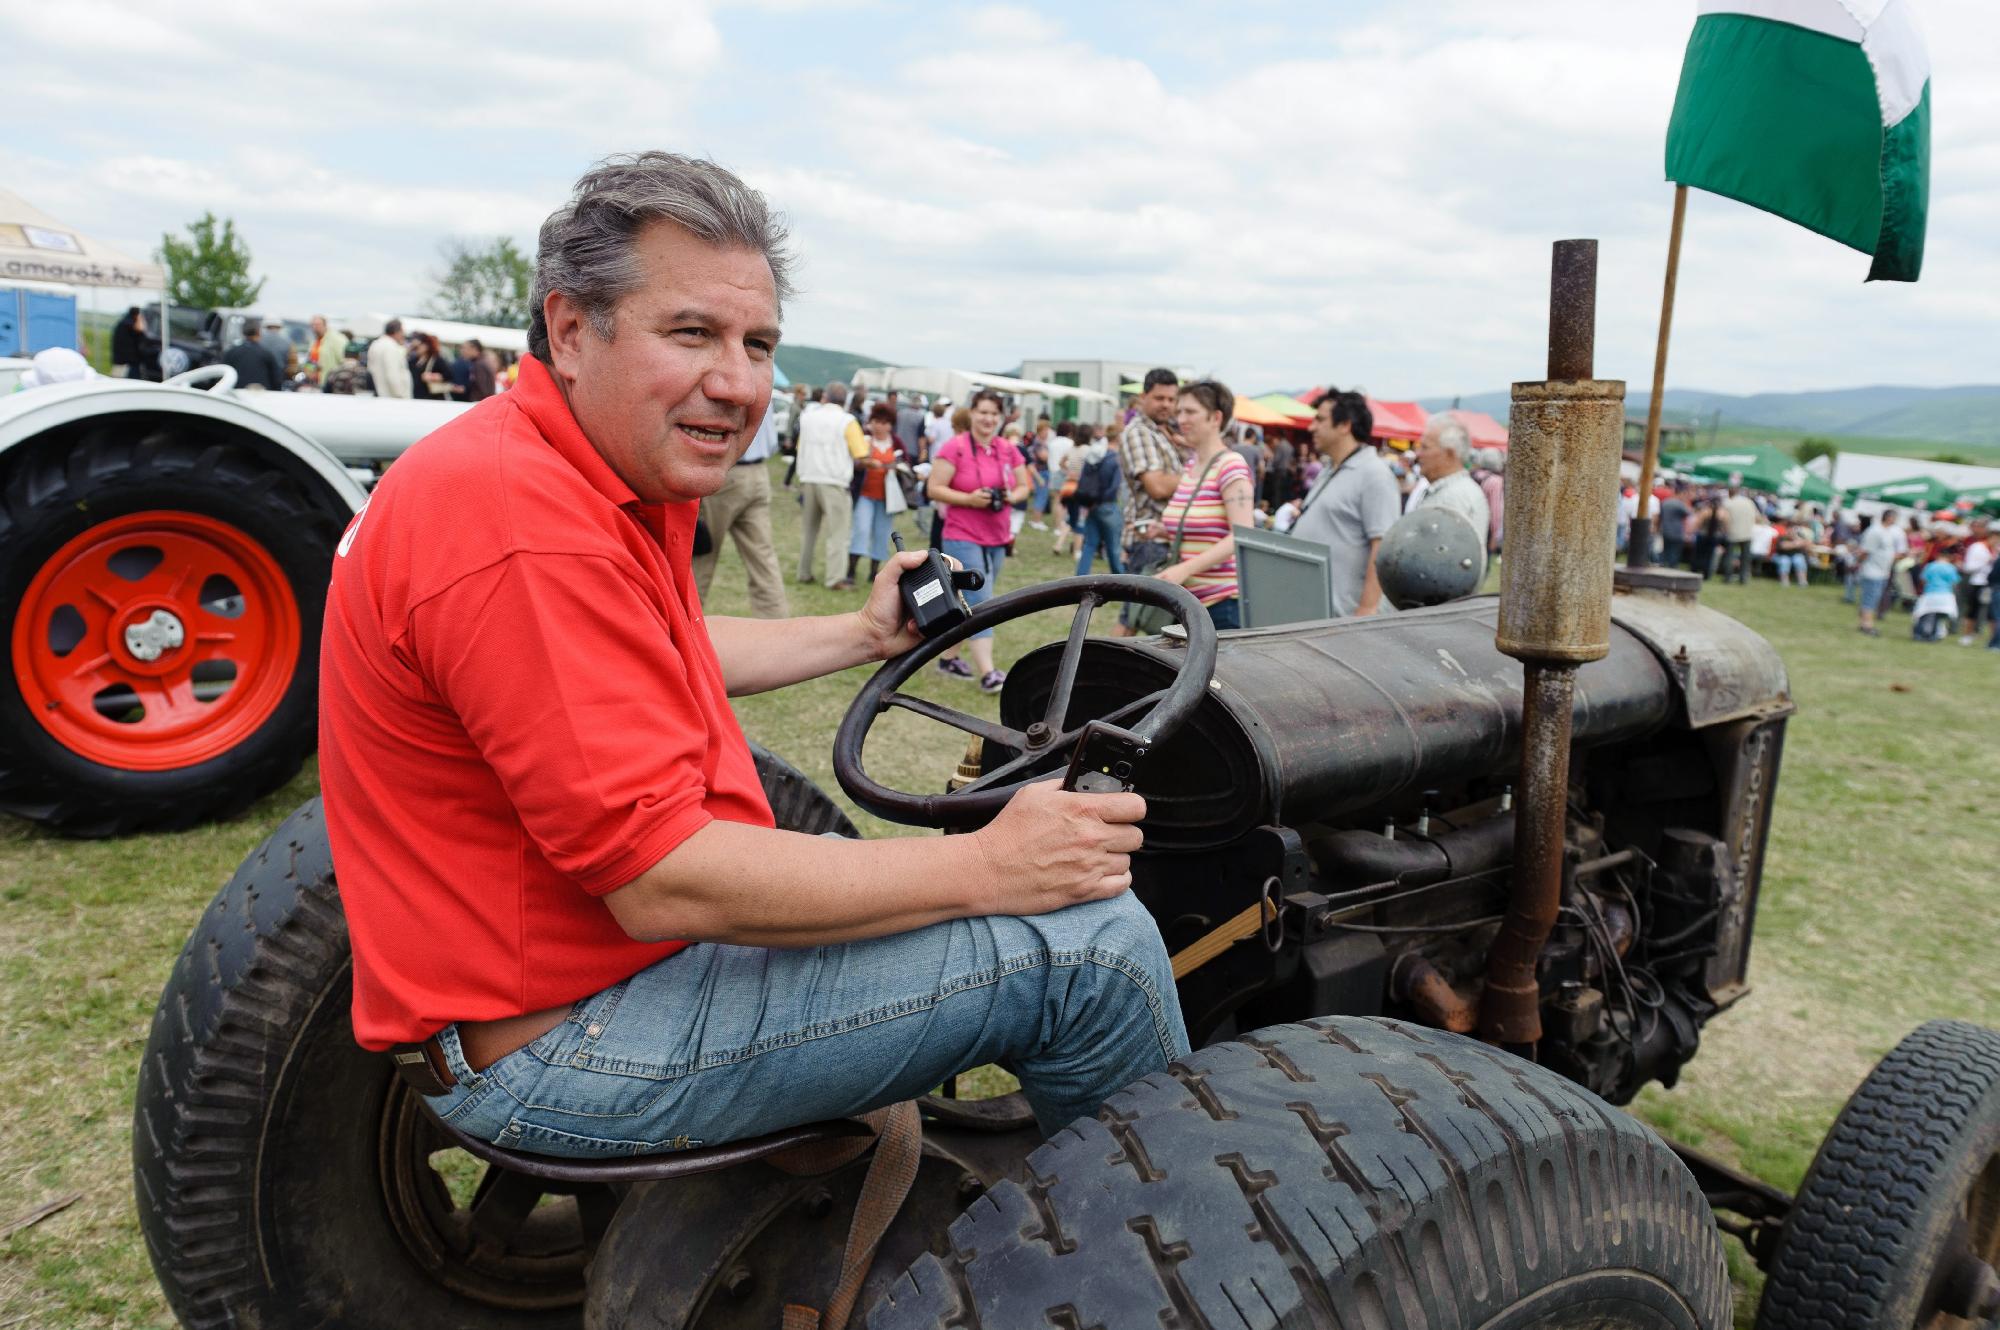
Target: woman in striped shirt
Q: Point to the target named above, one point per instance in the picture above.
(1213, 498)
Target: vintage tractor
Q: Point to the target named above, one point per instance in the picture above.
(1369, 840)
(164, 554)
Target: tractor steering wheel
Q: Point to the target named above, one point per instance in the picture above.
(1046, 744)
(216, 378)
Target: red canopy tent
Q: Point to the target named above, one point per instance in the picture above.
(1398, 420)
(1486, 432)
(1393, 420)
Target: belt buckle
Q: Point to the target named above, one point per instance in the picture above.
(413, 1064)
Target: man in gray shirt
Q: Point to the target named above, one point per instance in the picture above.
(1352, 505)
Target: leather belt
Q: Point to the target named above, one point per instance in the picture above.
(423, 1067)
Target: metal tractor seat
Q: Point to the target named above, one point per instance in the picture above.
(653, 1167)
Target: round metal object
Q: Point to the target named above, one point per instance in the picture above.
(156, 640)
(1431, 555)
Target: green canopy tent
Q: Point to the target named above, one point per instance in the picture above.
(1910, 492)
(1287, 406)
(1982, 498)
(1761, 467)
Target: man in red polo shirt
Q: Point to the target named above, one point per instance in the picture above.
(571, 914)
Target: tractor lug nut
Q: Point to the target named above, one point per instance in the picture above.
(736, 1283)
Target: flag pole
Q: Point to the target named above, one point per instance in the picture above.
(1639, 550)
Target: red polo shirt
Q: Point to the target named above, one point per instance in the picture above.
(520, 710)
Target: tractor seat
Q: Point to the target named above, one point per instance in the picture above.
(648, 1168)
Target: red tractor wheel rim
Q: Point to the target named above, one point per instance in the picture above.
(156, 641)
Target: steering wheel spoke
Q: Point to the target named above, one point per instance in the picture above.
(989, 730)
(1072, 656)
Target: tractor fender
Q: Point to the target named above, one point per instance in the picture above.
(70, 408)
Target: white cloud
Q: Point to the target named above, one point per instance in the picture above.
(1371, 203)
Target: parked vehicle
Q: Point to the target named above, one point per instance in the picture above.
(164, 553)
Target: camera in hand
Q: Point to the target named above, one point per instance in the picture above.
(930, 590)
(996, 496)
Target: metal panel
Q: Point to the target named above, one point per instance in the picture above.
(1282, 579)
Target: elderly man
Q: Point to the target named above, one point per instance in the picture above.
(572, 918)
(1443, 452)
(388, 364)
(1739, 523)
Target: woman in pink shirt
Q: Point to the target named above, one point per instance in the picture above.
(977, 478)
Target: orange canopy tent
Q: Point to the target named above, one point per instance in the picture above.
(1253, 412)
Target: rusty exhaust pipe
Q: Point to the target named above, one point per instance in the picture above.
(1565, 437)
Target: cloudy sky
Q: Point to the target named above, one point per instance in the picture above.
(1283, 193)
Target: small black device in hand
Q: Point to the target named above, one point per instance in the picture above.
(930, 590)
(996, 497)
(1106, 759)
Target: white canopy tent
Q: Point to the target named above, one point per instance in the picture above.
(35, 247)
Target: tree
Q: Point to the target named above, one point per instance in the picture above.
(484, 284)
(210, 268)
(1807, 449)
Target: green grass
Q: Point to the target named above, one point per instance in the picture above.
(1875, 916)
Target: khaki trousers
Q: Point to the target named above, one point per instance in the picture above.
(828, 504)
(742, 509)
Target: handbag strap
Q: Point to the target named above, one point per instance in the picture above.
(1180, 529)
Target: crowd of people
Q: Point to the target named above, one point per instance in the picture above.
(1156, 491)
(1936, 566)
(331, 359)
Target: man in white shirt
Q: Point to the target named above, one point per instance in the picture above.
(1442, 452)
(1881, 545)
(937, 425)
(830, 443)
(388, 362)
(1975, 590)
(741, 510)
(1739, 524)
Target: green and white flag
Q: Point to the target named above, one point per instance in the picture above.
(1817, 110)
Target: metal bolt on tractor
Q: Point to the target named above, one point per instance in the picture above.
(1540, 820)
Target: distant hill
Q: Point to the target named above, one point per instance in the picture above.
(1964, 415)
(815, 365)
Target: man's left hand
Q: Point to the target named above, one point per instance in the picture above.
(883, 626)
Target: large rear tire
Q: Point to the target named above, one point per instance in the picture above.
(286, 1179)
(1341, 1173)
(161, 599)
(1897, 1224)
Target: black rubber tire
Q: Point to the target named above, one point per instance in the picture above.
(256, 1127)
(52, 494)
(1345, 1172)
(1862, 1241)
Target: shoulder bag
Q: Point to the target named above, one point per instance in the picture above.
(1149, 619)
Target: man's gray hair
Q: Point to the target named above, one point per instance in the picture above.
(585, 250)
(1449, 432)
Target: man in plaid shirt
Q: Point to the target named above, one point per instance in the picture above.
(1152, 458)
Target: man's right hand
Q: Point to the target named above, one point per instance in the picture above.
(1052, 848)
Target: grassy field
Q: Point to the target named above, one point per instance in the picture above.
(1876, 915)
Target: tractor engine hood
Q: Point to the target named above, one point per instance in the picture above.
(1315, 721)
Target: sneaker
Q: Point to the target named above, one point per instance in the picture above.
(954, 667)
(1038, 526)
(992, 681)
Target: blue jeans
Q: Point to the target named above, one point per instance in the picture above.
(720, 1043)
(1103, 525)
(1226, 613)
(979, 559)
(1871, 592)
(871, 529)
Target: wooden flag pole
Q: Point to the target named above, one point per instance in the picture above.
(1639, 552)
